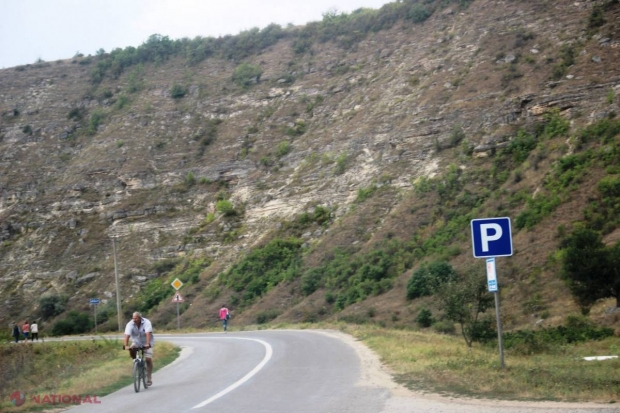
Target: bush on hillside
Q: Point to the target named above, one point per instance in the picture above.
(264, 268)
(428, 278)
(178, 91)
(51, 304)
(246, 74)
(576, 329)
(75, 323)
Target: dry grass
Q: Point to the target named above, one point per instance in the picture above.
(85, 368)
(443, 364)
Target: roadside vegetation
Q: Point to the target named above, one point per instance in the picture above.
(438, 363)
(546, 364)
(86, 368)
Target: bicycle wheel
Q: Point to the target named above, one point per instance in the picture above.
(144, 374)
(137, 369)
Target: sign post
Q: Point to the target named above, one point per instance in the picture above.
(95, 302)
(177, 284)
(492, 283)
(492, 237)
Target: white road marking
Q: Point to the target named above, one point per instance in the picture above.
(268, 354)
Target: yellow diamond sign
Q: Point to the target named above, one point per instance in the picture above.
(176, 284)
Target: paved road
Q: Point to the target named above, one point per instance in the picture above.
(285, 372)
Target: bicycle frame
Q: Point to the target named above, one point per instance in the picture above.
(139, 370)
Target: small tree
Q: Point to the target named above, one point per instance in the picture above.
(464, 299)
(246, 74)
(178, 91)
(51, 305)
(591, 269)
(428, 278)
(75, 323)
(190, 179)
(425, 318)
(96, 119)
(225, 207)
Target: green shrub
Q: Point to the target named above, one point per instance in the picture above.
(158, 289)
(283, 148)
(209, 218)
(320, 215)
(134, 82)
(604, 130)
(428, 278)
(596, 18)
(351, 278)
(444, 327)
(263, 317)
(264, 268)
(76, 114)
(75, 323)
(418, 13)
(96, 119)
(246, 74)
(589, 267)
(555, 124)
(121, 102)
(178, 91)
(164, 266)
(521, 146)
(577, 329)
(456, 136)
(425, 318)
(311, 281)
(609, 99)
(365, 193)
(298, 129)
(51, 305)
(341, 164)
(225, 207)
(567, 56)
(190, 179)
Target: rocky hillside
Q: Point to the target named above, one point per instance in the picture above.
(364, 139)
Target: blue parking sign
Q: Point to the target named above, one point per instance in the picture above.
(491, 237)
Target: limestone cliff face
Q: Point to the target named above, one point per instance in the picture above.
(313, 130)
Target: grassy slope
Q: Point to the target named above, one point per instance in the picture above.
(67, 368)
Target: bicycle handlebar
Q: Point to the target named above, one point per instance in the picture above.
(136, 348)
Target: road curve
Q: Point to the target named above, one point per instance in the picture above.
(288, 371)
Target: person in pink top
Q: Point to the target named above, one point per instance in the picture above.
(26, 330)
(224, 316)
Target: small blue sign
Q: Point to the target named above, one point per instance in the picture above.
(491, 237)
(491, 275)
(94, 301)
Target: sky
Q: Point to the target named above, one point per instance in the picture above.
(58, 29)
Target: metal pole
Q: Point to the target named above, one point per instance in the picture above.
(499, 330)
(178, 317)
(118, 290)
(95, 305)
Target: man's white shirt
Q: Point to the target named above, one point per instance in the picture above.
(138, 334)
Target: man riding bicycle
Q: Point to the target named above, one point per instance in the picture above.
(141, 332)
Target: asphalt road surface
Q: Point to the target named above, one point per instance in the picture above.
(289, 371)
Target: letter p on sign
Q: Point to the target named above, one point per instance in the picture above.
(491, 237)
(485, 234)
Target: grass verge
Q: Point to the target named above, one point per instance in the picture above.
(437, 363)
(70, 368)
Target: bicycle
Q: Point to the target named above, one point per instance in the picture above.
(139, 368)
